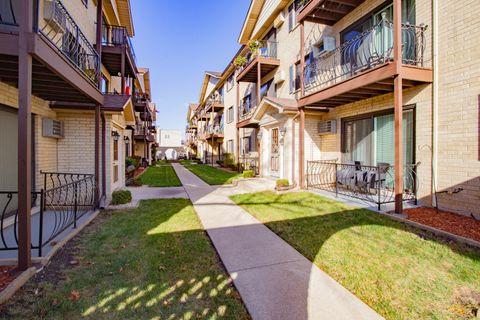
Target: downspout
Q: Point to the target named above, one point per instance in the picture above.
(435, 103)
(98, 107)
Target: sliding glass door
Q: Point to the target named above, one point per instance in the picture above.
(370, 140)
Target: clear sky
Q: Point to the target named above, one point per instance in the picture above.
(179, 41)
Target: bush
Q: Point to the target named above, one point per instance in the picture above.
(248, 174)
(121, 197)
(227, 160)
(220, 163)
(132, 161)
(280, 183)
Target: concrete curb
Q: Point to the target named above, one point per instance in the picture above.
(436, 231)
(16, 284)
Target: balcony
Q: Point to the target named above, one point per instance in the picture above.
(326, 12)
(363, 67)
(214, 132)
(247, 109)
(214, 103)
(142, 133)
(115, 43)
(141, 103)
(65, 66)
(261, 63)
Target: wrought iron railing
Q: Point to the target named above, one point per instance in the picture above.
(64, 33)
(373, 184)
(266, 49)
(117, 36)
(247, 108)
(368, 50)
(248, 162)
(68, 198)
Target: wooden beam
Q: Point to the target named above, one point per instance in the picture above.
(302, 149)
(302, 59)
(306, 11)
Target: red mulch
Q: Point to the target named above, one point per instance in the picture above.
(460, 225)
(7, 275)
(138, 171)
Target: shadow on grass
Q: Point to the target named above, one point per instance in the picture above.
(154, 262)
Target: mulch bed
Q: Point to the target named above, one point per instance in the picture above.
(447, 221)
(138, 171)
(7, 275)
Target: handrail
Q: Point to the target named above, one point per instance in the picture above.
(64, 33)
(368, 50)
(114, 35)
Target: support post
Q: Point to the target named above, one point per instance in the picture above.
(24, 135)
(301, 148)
(98, 107)
(259, 83)
(237, 157)
(104, 156)
(122, 67)
(398, 104)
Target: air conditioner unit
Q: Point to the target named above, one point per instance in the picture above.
(280, 76)
(52, 128)
(326, 45)
(327, 127)
(279, 20)
(54, 16)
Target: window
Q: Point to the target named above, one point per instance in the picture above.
(371, 139)
(292, 14)
(294, 77)
(247, 103)
(246, 145)
(115, 173)
(265, 90)
(230, 115)
(230, 146)
(104, 84)
(115, 150)
(230, 82)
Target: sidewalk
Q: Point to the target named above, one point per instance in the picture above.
(274, 280)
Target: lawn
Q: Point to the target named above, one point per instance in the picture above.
(211, 175)
(154, 262)
(160, 176)
(400, 272)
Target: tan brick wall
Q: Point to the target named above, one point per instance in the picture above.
(458, 115)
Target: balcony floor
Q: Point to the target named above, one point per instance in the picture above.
(371, 83)
(250, 72)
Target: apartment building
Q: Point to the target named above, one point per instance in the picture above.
(335, 95)
(69, 97)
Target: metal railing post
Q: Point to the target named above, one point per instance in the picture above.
(40, 232)
(75, 205)
(336, 180)
(379, 188)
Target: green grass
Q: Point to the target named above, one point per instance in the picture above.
(155, 262)
(400, 272)
(160, 176)
(211, 175)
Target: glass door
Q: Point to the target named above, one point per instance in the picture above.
(274, 152)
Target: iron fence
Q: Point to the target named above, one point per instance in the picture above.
(375, 184)
(68, 198)
(248, 162)
(368, 50)
(117, 36)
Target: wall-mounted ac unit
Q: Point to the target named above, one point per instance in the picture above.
(52, 128)
(327, 44)
(54, 16)
(280, 76)
(279, 20)
(327, 127)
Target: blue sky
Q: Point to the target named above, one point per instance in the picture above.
(179, 41)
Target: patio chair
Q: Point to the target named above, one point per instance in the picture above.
(347, 175)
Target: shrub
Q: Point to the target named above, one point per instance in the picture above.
(240, 61)
(121, 197)
(227, 160)
(280, 183)
(248, 174)
(220, 163)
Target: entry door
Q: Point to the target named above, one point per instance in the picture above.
(274, 153)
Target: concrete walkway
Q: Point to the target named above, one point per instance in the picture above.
(274, 280)
(147, 193)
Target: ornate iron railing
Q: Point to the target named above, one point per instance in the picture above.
(373, 184)
(117, 36)
(248, 162)
(368, 50)
(64, 33)
(68, 198)
(247, 109)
